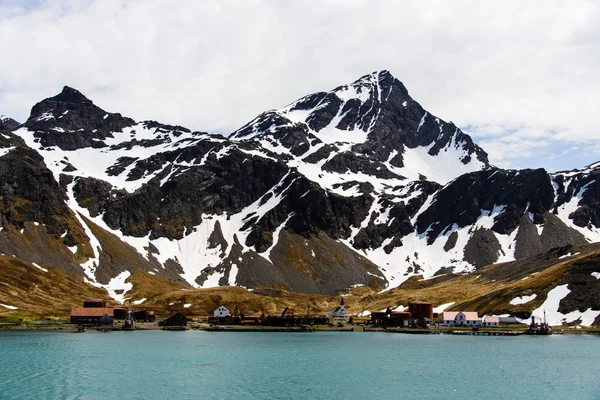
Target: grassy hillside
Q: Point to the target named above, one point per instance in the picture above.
(489, 290)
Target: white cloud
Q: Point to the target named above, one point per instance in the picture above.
(529, 68)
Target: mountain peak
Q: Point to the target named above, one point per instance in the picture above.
(71, 95)
(9, 123)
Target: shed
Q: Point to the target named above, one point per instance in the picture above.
(177, 319)
(491, 321)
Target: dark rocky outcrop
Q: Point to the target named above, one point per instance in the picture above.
(9, 123)
(482, 248)
(71, 121)
(179, 177)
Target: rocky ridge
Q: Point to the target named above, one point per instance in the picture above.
(356, 186)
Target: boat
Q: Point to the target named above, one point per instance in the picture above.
(129, 323)
(541, 328)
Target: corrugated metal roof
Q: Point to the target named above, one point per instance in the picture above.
(469, 315)
(92, 312)
(492, 319)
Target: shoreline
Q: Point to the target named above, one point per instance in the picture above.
(68, 328)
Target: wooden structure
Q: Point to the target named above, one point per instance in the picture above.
(221, 312)
(390, 318)
(94, 303)
(89, 316)
(177, 319)
(461, 318)
(491, 322)
(339, 313)
(421, 310)
(144, 316)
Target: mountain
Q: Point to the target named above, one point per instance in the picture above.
(9, 123)
(356, 186)
(563, 284)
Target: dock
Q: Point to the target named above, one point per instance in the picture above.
(486, 333)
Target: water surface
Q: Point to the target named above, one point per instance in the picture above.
(331, 365)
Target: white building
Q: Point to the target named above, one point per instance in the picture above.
(221, 312)
(461, 318)
(340, 312)
(491, 322)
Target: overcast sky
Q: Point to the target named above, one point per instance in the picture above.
(522, 78)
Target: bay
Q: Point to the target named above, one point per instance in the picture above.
(321, 365)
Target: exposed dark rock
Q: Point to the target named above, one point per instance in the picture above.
(187, 181)
(71, 121)
(528, 241)
(482, 248)
(557, 234)
(451, 241)
(9, 123)
(464, 200)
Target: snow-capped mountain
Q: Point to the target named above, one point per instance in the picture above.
(9, 123)
(356, 186)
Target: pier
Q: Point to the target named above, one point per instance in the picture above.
(486, 333)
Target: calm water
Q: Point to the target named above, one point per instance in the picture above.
(205, 365)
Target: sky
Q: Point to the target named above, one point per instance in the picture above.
(522, 78)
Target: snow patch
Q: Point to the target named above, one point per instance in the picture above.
(554, 317)
(118, 284)
(38, 267)
(523, 299)
(442, 307)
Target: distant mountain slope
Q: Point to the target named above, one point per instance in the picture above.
(9, 123)
(563, 283)
(356, 186)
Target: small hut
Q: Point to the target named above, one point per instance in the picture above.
(177, 319)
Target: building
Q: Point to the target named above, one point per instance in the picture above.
(94, 303)
(421, 310)
(144, 316)
(491, 322)
(90, 315)
(221, 312)
(461, 318)
(340, 312)
(390, 318)
(177, 319)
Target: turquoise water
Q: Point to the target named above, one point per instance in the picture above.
(332, 365)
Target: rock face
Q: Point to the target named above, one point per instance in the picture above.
(356, 186)
(9, 123)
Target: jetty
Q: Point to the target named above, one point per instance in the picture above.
(486, 333)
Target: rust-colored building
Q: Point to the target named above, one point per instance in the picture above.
(144, 316)
(393, 318)
(89, 315)
(421, 309)
(94, 303)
